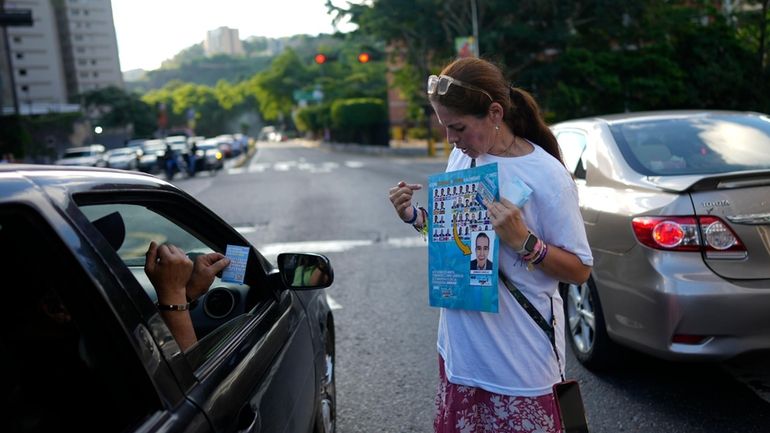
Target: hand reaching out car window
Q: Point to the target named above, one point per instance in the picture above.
(177, 280)
(205, 267)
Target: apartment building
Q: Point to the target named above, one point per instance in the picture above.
(223, 40)
(71, 48)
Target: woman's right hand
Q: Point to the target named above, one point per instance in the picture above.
(401, 197)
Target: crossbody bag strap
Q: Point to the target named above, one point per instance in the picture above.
(549, 329)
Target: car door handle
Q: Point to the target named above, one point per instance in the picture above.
(248, 420)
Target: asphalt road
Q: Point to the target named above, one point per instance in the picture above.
(295, 198)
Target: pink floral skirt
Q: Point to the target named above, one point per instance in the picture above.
(467, 409)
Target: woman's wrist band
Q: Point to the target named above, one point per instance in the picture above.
(173, 307)
(538, 260)
(422, 230)
(414, 218)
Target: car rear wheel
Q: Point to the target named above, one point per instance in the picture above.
(586, 329)
(326, 418)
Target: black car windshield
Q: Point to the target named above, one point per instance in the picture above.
(697, 144)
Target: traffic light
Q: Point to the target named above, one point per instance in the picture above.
(320, 58)
(364, 57)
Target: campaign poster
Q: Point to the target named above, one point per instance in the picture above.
(462, 245)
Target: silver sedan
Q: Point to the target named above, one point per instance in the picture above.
(677, 213)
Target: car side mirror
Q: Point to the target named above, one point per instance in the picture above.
(305, 271)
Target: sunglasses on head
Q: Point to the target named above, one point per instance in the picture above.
(439, 84)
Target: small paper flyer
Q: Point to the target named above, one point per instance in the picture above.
(236, 270)
(462, 245)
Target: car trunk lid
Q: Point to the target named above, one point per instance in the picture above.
(742, 202)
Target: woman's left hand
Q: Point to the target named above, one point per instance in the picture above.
(508, 222)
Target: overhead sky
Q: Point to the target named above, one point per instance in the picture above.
(151, 31)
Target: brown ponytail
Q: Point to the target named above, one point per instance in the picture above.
(525, 120)
(522, 113)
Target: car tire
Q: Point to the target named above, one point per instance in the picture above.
(586, 328)
(326, 417)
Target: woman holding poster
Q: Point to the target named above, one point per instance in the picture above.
(491, 363)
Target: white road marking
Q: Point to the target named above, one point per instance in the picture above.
(413, 241)
(312, 247)
(334, 305)
(271, 251)
(284, 165)
(258, 167)
(245, 229)
(301, 164)
(336, 246)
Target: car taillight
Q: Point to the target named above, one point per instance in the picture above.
(707, 234)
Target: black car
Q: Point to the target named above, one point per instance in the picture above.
(84, 348)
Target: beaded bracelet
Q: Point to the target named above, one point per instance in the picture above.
(424, 229)
(540, 259)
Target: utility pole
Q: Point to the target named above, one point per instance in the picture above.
(19, 17)
(475, 18)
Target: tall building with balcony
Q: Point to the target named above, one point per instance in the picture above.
(223, 40)
(71, 48)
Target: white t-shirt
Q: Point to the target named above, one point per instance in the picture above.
(507, 352)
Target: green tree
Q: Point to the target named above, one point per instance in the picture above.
(274, 88)
(418, 33)
(753, 25)
(115, 107)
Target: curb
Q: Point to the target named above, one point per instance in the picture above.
(245, 157)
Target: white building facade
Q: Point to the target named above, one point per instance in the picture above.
(71, 48)
(223, 40)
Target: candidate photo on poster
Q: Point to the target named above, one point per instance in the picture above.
(481, 253)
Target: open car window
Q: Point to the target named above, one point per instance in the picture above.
(218, 315)
(140, 226)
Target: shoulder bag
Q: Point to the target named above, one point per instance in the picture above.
(566, 393)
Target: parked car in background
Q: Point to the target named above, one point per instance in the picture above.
(124, 158)
(84, 344)
(152, 156)
(677, 214)
(208, 157)
(88, 156)
(136, 142)
(225, 143)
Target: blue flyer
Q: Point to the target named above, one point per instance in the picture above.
(462, 245)
(236, 270)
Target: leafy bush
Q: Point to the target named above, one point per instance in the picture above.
(358, 113)
(360, 120)
(313, 118)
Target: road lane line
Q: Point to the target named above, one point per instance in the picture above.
(334, 305)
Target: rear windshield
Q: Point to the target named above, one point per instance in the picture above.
(695, 144)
